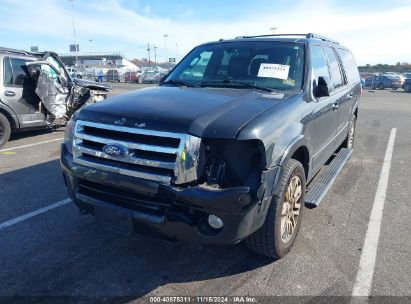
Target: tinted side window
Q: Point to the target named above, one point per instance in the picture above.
(7, 73)
(197, 67)
(21, 76)
(319, 63)
(336, 77)
(350, 67)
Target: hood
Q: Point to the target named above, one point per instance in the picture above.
(92, 85)
(203, 112)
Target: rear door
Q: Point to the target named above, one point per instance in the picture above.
(342, 94)
(353, 83)
(19, 91)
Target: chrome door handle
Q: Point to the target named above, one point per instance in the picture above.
(9, 93)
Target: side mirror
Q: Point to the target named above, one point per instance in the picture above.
(323, 88)
(162, 79)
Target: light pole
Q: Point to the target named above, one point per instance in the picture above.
(273, 29)
(155, 55)
(176, 52)
(74, 30)
(148, 51)
(165, 44)
(90, 45)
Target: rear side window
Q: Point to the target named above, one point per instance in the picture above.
(7, 74)
(350, 67)
(336, 77)
(16, 73)
(319, 63)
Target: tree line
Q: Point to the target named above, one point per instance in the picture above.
(399, 67)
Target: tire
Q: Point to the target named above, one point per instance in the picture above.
(349, 141)
(407, 87)
(271, 240)
(5, 130)
(381, 86)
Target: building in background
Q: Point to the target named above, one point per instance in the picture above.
(97, 60)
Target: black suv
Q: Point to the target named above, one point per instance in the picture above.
(36, 91)
(223, 149)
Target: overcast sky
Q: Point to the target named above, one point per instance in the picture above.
(376, 31)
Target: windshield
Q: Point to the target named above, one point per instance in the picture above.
(266, 64)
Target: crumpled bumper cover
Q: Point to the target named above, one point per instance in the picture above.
(173, 213)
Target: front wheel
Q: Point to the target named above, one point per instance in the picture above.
(407, 87)
(276, 237)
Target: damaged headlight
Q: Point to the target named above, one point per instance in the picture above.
(233, 163)
(69, 134)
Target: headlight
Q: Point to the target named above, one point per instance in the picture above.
(187, 164)
(69, 135)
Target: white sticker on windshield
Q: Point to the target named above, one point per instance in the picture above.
(273, 70)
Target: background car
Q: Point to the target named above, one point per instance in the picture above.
(384, 81)
(407, 85)
(150, 77)
(113, 75)
(406, 75)
(74, 73)
(131, 77)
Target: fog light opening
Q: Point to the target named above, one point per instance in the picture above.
(215, 222)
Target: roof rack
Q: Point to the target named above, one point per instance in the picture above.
(308, 36)
(323, 38)
(14, 51)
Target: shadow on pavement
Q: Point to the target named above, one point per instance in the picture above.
(31, 133)
(63, 253)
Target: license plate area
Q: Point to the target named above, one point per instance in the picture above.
(117, 220)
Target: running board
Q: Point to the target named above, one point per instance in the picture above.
(320, 187)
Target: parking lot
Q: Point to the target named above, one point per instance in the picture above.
(47, 248)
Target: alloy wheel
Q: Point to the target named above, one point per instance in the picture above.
(291, 209)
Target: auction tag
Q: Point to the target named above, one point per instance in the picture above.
(273, 70)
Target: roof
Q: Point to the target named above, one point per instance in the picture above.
(5, 50)
(301, 38)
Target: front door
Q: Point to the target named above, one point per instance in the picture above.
(51, 87)
(325, 112)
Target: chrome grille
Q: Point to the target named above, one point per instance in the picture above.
(153, 155)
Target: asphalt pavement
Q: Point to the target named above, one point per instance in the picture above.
(60, 252)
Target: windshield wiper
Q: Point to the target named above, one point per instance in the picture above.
(180, 83)
(246, 84)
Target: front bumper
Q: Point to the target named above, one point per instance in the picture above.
(173, 213)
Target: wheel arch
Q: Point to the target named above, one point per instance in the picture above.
(10, 117)
(298, 149)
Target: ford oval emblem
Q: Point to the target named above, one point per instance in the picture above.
(116, 150)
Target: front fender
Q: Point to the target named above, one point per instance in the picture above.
(298, 142)
(286, 144)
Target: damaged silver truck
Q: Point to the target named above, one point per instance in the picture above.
(36, 91)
